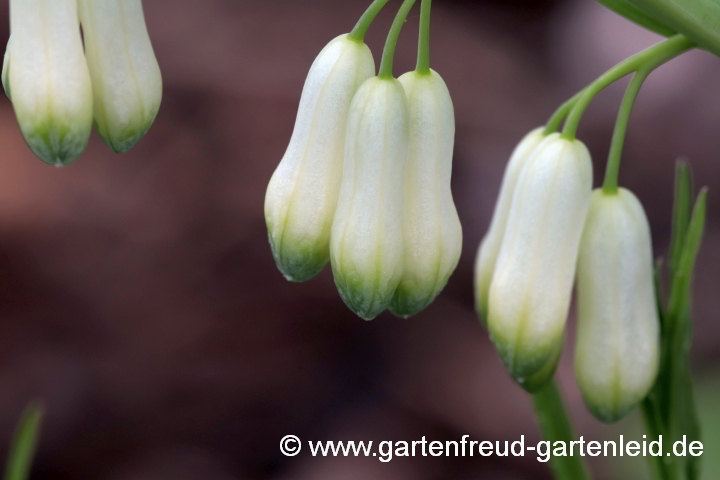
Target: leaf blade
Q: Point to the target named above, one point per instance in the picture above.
(22, 449)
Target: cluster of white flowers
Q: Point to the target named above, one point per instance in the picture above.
(59, 90)
(548, 227)
(365, 184)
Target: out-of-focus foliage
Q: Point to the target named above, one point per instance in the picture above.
(670, 408)
(24, 442)
(698, 20)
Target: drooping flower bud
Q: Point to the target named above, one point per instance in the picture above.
(532, 283)
(366, 248)
(490, 246)
(303, 192)
(47, 80)
(432, 231)
(618, 333)
(126, 80)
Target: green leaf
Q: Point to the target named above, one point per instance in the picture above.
(669, 409)
(681, 212)
(654, 427)
(552, 418)
(683, 270)
(23, 444)
(659, 291)
(682, 417)
(634, 14)
(698, 20)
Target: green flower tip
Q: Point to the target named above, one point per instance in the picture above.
(530, 366)
(298, 263)
(124, 139)
(56, 145)
(361, 295)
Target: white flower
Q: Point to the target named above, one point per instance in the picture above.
(618, 333)
(126, 80)
(366, 247)
(302, 194)
(432, 231)
(533, 278)
(490, 246)
(47, 79)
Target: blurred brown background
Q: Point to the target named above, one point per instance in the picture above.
(139, 299)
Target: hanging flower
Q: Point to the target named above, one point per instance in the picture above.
(367, 246)
(302, 194)
(618, 337)
(490, 246)
(532, 283)
(432, 231)
(57, 92)
(126, 80)
(47, 79)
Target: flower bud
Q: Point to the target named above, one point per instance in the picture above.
(618, 332)
(45, 74)
(532, 282)
(432, 231)
(366, 247)
(126, 80)
(302, 194)
(490, 246)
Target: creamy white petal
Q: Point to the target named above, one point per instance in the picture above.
(366, 246)
(301, 197)
(618, 335)
(6, 71)
(432, 231)
(490, 246)
(532, 283)
(48, 78)
(126, 79)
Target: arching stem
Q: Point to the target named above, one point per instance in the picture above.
(386, 65)
(663, 52)
(361, 28)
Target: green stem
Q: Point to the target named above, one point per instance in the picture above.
(618, 139)
(665, 50)
(386, 65)
(361, 28)
(610, 184)
(423, 58)
(555, 424)
(561, 113)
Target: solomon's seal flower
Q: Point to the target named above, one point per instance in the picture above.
(490, 245)
(126, 80)
(532, 282)
(432, 231)
(366, 247)
(47, 79)
(618, 335)
(302, 194)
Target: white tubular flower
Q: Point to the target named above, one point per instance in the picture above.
(432, 231)
(532, 283)
(126, 80)
(490, 246)
(618, 335)
(47, 80)
(366, 246)
(302, 194)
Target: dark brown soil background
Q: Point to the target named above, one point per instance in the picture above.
(139, 299)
